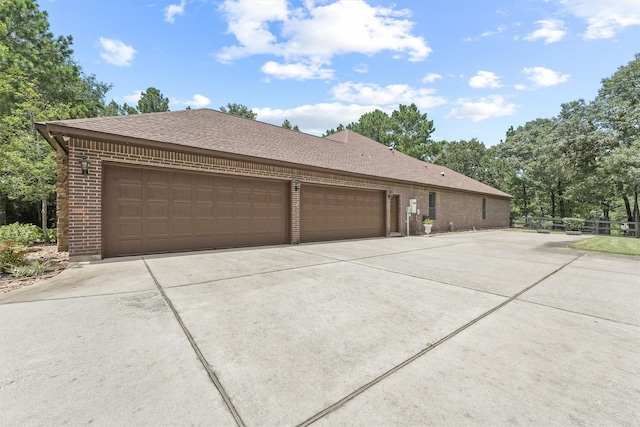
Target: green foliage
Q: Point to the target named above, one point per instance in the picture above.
(573, 224)
(27, 45)
(376, 125)
(239, 110)
(412, 133)
(547, 225)
(287, 125)
(39, 81)
(618, 102)
(151, 101)
(53, 234)
(470, 158)
(338, 128)
(406, 130)
(12, 254)
(36, 268)
(25, 234)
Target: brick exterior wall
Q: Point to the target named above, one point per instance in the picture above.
(80, 196)
(62, 200)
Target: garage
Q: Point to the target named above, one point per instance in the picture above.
(332, 213)
(148, 211)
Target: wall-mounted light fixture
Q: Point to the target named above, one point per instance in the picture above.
(296, 185)
(390, 194)
(84, 165)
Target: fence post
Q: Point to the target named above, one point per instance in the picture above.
(597, 230)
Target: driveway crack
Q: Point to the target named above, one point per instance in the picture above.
(424, 351)
(212, 375)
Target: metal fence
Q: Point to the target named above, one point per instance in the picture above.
(609, 228)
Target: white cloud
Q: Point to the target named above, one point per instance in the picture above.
(314, 33)
(116, 53)
(133, 98)
(172, 10)
(485, 79)
(605, 18)
(431, 77)
(198, 101)
(545, 77)
(498, 30)
(391, 95)
(485, 108)
(520, 87)
(551, 30)
(318, 118)
(297, 71)
(362, 69)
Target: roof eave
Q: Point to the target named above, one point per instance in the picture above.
(55, 132)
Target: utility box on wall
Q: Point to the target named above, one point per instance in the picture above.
(413, 206)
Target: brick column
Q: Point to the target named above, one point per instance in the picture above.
(295, 211)
(62, 200)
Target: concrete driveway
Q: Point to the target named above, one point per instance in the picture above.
(487, 328)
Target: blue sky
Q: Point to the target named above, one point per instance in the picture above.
(475, 67)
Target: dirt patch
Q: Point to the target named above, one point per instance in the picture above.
(57, 261)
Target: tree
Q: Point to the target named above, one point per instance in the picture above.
(151, 101)
(287, 125)
(618, 102)
(28, 170)
(239, 110)
(412, 133)
(338, 128)
(376, 125)
(56, 83)
(406, 130)
(618, 108)
(470, 158)
(26, 43)
(582, 146)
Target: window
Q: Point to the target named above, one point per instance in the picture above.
(484, 208)
(432, 205)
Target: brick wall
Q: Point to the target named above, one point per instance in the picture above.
(84, 201)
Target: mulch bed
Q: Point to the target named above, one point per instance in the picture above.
(58, 261)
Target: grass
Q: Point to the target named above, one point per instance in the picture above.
(612, 245)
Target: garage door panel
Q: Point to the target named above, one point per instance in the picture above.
(154, 211)
(331, 213)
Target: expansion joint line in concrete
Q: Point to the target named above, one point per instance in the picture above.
(203, 360)
(424, 351)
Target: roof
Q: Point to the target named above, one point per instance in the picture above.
(345, 151)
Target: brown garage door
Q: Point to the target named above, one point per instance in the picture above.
(154, 211)
(332, 213)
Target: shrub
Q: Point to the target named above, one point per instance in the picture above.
(547, 225)
(27, 234)
(12, 254)
(573, 224)
(35, 269)
(53, 235)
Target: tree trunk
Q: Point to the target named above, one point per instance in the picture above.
(45, 230)
(553, 204)
(605, 211)
(524, 192)
(636, 210)
(563, 212)
(627, 206)
(3, 209)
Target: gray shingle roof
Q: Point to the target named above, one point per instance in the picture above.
(345, 151)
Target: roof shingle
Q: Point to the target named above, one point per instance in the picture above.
(345, 151)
